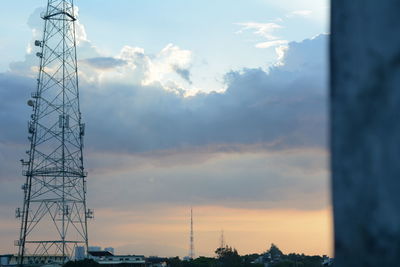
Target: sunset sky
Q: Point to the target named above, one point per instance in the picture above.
(216, 105)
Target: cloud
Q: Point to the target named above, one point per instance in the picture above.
(269, 44)
(170, 68)
(80, 32)
(284, 107)
(309, 55)
(184, 73)
(291, 179)
(261, 29)
(104, 63)
(170, 59)
(249, 146)
(258, 144)
(300, 13)
(14, 112)
(264, 30)
(279, 110)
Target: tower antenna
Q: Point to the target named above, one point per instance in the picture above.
(191, 249)
(54, 213)
(222, 240)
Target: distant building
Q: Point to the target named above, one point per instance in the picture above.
(108, 259)
(29, 260)
(79, 253)
(263, 259)
(110, 249)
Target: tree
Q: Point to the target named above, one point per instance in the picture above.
(174, 262)
(285, 263)
(228, 256)
(199, 262)
(204, 262)
(248, 259)
(275, 252)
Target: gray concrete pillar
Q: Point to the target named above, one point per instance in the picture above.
(365, 131)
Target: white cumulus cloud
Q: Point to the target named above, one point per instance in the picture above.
(261, 29)
(170, 68)
(171, 61)
(264, 30)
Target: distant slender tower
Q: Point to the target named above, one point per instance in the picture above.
(222, 240)
(191, 249)
(54, 214)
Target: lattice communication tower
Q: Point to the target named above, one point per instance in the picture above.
(222, 240)
(191, 245)
(54, 214)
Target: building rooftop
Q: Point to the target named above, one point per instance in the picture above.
(100, 253)
(109, 254)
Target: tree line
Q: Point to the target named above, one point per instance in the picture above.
(229, 257)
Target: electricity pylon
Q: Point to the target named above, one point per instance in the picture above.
(54, 214)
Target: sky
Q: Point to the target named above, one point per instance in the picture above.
(216, 105)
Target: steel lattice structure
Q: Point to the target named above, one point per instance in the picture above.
(191, 245)
(54, 214)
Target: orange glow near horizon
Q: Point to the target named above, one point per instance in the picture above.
(165, 232)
